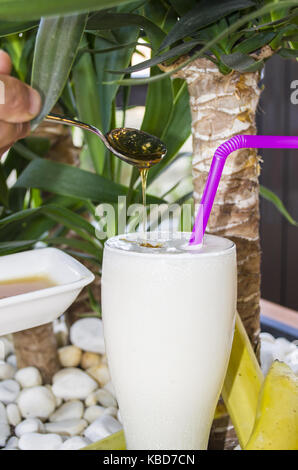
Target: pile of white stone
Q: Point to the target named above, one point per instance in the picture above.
(77, 409)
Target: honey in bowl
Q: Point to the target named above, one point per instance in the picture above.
(12, 287)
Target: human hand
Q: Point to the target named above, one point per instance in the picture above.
(21, 104)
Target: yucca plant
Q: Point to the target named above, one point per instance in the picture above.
(82, 60)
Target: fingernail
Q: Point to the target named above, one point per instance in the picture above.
(34, 102)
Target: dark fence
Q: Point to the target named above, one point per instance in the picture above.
(278, 115)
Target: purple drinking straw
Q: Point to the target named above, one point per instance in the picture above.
(218, 161)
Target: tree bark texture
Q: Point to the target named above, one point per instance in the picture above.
(37, 347)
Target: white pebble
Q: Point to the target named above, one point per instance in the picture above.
(105, 398)
(36, 402)
(58, 400)
(69, 410)
(69, 427)
(28, 377)
(90, 359)
(102, 427)
(70, 356)
(87, 334)
(6, 347)
(93, 412)
(9, 390)
(73, 383)
(36, 441)
(91, 399)
(110, 388)
(4, 433)
(112, 411)
(29, 425)
(292, 360)
(264, 336)
(12, 443)
(283, 347)
(3, 414)
(12, 360)
(13, 414)
(119, 416)
(7, 371)
(266, 355)
(74, 443)
(100, 373)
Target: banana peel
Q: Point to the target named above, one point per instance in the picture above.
(276, 424)
(242, 384)
(115, 441)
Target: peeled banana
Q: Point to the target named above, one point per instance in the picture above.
(276, 424)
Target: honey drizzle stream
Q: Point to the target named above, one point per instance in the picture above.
(144, 174)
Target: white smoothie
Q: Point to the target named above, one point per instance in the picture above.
(168, 316)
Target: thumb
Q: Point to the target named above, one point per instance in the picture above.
(5, 63)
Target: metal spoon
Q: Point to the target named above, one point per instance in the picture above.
(131, 145)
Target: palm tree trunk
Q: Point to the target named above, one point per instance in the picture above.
(38, 347)
(223, 106)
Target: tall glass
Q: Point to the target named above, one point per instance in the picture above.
(168, 314)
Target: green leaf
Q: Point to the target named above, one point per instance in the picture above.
(233, 27)
(174, 52)
(36, 224)
(24, 151)
(183, 6)
(7, 248)
(159, 105)
(56, 46)
(60, 214)
(109, 61)
(177, 130)
(14, 27)
(12, 10)
(254, 43)
(88, 104)
(81, 245)
(270, 196)
(288, 53)
(3, 187)
(241, 62)
(70, 181)
(204, 13)
(118, 20)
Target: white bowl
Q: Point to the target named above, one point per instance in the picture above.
(23, 311)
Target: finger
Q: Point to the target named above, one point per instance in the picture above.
(9, 133)
(21, 102)
(5, 63)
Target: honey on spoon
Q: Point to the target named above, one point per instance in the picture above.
(133, 146)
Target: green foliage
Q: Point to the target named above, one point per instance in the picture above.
(80, 60)
(12, 10)
(219, 30)
(56, 47)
